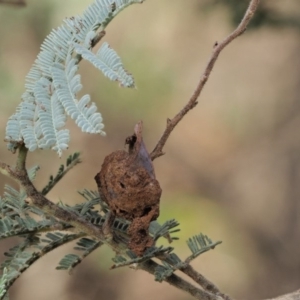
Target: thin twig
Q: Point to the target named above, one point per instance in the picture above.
(176, 281)
(59, 176)
(171, 123)
(188, 270)
(203, 282)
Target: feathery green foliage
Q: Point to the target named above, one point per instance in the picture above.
(70, 261)
(164, 230)
(71, 162)
(17, 215)
(131, 258)
(199, 244)
(22, 256)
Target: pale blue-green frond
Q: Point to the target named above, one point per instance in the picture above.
(32, 77)
(56, 68)
(108, 62)
(28, 96)
(115, 7)
(32, 172)
(52, 118)
(45, 60)
(28, 116)
(58, 39)
(29, 120)
(13, 130)
(67, 84)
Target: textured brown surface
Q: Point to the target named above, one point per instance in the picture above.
(127, 184)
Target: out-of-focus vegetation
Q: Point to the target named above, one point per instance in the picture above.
(270, 13)
(232, 166)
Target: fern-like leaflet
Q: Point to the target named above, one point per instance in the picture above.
(52, 83)
(107, 61)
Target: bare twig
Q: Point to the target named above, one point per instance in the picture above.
(171, 123)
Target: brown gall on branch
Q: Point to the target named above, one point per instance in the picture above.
(80, 225)
(218, 47)
(127, 184)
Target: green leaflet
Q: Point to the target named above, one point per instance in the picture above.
(199, 244)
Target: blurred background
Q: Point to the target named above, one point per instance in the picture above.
(232, 166)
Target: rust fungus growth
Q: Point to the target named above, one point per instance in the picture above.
(127, 184)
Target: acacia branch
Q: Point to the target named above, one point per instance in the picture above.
(176, 281)
(19, 173)
(84, 227)
(218, 47)
(203, 282)
(37, 255)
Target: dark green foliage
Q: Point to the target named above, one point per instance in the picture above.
(174, 261)
(70, 261)
(131, 258)
(22, 256)
(16, 221)
(73, 158)
(17, 216)
(266, 15)
(199, 244)
(40, 233)
(157, 230)
(171, 263)
(71, 162)
(162, 272)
